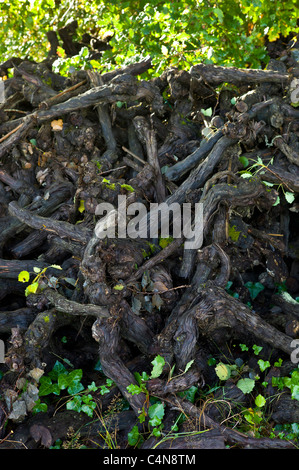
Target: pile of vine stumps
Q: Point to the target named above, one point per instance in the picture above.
(109, 307)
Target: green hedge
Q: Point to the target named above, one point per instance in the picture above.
(178, 33)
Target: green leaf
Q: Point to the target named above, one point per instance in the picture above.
(158, 364)
(63, 381)
(156, 414)
(31, 289)
(134, 389)
(81, 207)
(156, 432)
(45, 386)
(75, 404)
(207, 112)
(295, 392)
(244, 161)
(58, 369)
(277, 201)
(223, 371)
(163, 242)
(257, 349)
(254, 288)
(246, 385)
(263, 364)
(128, 187)
(260, 401)
(290, 197)
(188, 366)
(24, 276)
(189, 394)
(219, 13)
(118, 287)
(134, 436)
(92, 387)
(74, 388)
(40, 407)
(56, 266)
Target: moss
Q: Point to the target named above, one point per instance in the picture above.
(233, 233)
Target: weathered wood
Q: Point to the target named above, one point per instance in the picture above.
(215, 75)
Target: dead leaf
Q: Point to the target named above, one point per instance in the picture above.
(42, 434)
(57, 125)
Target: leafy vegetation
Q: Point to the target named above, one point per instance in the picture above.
(176, 33)
(254, 419)
(78, 399)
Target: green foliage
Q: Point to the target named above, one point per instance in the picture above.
(254, 288)
(177, 33)
(291, 382)
(254, 419)
(60, 379)
(260, 168)
(156, 410)
(40, 279)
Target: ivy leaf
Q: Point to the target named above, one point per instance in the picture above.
(74, 388)
(295, 392)
(256, 349)
(254, 288)
(75, 404)
(158, 364)
(58, 369)
(263, 364)
(45, 386)
(88, 409)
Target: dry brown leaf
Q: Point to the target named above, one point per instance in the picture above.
(57, 125)
(42, 434)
